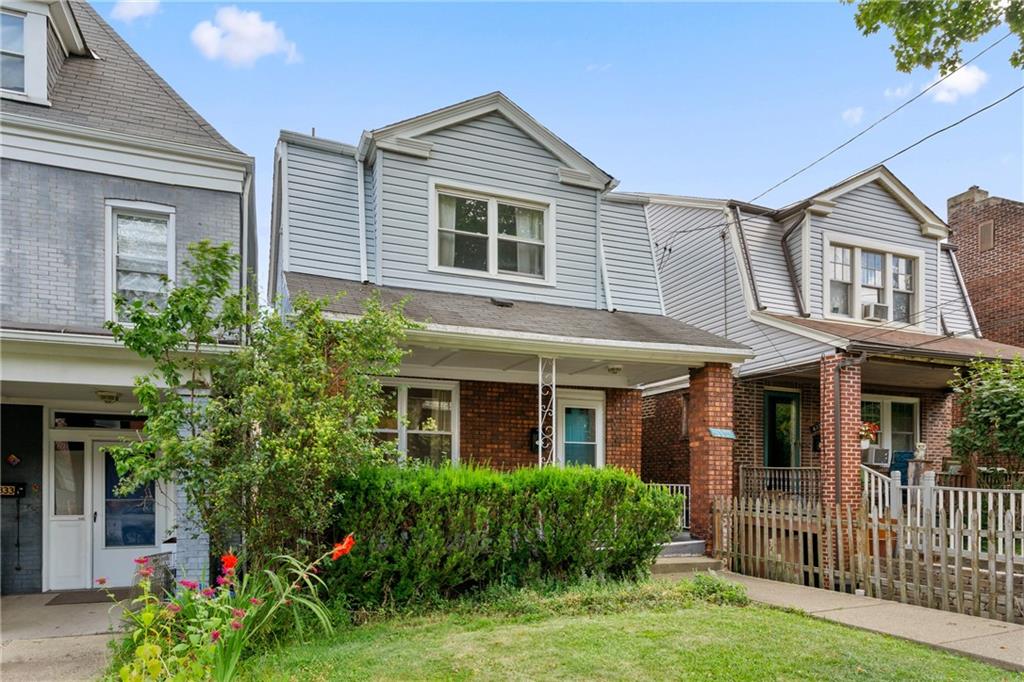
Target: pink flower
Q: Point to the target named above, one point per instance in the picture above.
(255, 601)
(101, 581)
(173, 608)
(142, 560)
(236, 624)
(209, 592)
(190, 585)
(221, 580)
(146, 572)
(238, 613)
(215, 635)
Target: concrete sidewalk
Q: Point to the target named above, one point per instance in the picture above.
(996, 642)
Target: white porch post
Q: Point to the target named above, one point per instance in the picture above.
(547, 421)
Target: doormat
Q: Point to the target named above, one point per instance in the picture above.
(92, 596)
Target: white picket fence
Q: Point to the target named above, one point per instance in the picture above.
(682, 489)
(981, 508)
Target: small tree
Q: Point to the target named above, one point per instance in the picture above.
(256, 435)
(991, 400)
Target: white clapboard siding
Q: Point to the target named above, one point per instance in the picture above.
(627, 252)
(323, 217)
(870, 212)
(489, 152)
(701, 285)
(954, 304)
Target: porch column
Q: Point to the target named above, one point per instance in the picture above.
(547, 419)
(710, 456)
(840, 470)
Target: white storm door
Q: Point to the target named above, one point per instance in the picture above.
(70, 472)
(581, 428)
(123, 527)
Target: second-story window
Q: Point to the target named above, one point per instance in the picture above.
(501, 236)
(866, 282)
(141, 251)
(872, 280)
(902, 289)
(12, 52)
(841, 281)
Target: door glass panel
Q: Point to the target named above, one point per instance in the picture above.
(871, 411)
(68, 478)
(781, 427)
(903, 427)
(580, 436)
(129, 520)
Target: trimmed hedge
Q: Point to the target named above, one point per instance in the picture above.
(428, 533)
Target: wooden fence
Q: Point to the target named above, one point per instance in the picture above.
(802, 483)
(953, 566)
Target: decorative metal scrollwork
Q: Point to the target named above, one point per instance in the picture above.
(547, 421)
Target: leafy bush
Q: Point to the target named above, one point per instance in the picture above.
(990, 395)
(445, 532)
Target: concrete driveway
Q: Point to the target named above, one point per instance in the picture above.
(39, 642)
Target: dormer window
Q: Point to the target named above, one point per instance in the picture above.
(870, 281)
(12, 52)
(482, 232)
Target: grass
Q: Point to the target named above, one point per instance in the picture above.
(594, 632)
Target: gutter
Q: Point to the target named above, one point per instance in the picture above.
(797, 293)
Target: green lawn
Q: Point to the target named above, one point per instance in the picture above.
(652, 638)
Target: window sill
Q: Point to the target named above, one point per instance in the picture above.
(895, 326)
(500, 277)
(22, 97)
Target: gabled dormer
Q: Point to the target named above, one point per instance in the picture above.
(37, 38)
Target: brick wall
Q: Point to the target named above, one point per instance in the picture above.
(495, 420)
(849, 431)
(52, 266)
(994, 277)
(711, 466)
(748, 407)
(666, 445)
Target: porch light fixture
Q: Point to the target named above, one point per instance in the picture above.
(109, 397)
(615, 369)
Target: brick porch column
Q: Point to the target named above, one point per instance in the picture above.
(849, 431)
(710, 406)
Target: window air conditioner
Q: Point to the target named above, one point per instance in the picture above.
(876, 312)
(879, 457)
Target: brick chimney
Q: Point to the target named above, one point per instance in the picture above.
(972, 196)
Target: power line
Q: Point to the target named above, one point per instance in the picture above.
(832, 151)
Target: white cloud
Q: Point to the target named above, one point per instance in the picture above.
(130, 10)
(966, 81)
(899, 92)
(853, 115)
(240, 38)
(598, 67)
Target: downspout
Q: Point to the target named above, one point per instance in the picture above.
(837, 417)
(801, 308)
(609, 304)
(746, 256)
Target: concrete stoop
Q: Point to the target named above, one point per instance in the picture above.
(678, 566)
(682, 544)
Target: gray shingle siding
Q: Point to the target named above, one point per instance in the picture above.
(53, 262)
(54, 57)
(627, 251)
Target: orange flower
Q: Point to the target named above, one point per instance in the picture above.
(342, 548)
(228, 561)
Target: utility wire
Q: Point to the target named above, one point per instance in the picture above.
(832, 151)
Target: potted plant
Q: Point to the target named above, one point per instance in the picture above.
(868, 434)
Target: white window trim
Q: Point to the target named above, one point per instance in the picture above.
(35, 18)
(885, 430)
(492, 196)
(858, 244)
(403, 430)
(115, 206)
(594, 400)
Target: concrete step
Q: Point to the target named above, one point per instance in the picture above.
(682, 547)
(683, 565)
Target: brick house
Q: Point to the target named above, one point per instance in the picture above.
(852, 291)
(107, 175)
(989, 236)
(536, 286)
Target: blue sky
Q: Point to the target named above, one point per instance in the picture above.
(719, 100)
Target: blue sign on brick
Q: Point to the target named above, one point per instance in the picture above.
(722, 433)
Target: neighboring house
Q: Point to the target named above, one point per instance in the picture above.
(858, 276)
(537, 288)
(107, 175)
(989, 235)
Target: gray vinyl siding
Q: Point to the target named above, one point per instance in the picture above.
(370, 192)
(627, 252)
(870, 212)
(795, 247)
(764, 242)
(954, 304)
(54, 57)
(488, 152)
(323, 217)
(701, 285)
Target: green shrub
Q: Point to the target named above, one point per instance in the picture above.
(440, 533)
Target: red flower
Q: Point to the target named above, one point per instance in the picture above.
(209, 592)
(228, 561)
(221, 580)
(173, 608)
(146, 572)
(101, 581)
(142, 560)
(238, 613)
(190, 585)
(236, 624)
(255, 601)
(215, 635)
(342, 548)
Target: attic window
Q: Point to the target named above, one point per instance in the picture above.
(480, 232)
(12, 52)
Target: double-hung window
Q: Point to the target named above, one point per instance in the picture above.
(859, 275)
(902, 289)
(12, 52)
(142, 253)
(421, 419)
(840, 281)
(482, 232)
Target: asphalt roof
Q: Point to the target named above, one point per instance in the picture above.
(118, 92)
(463, 310)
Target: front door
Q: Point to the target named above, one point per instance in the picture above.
(68, 523)
(781, 429)
(581, 428)
(123, 527)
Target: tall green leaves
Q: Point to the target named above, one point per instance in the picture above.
(991, 400)
(255, 434)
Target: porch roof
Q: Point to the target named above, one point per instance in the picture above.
(902, 343)
(525, 321)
